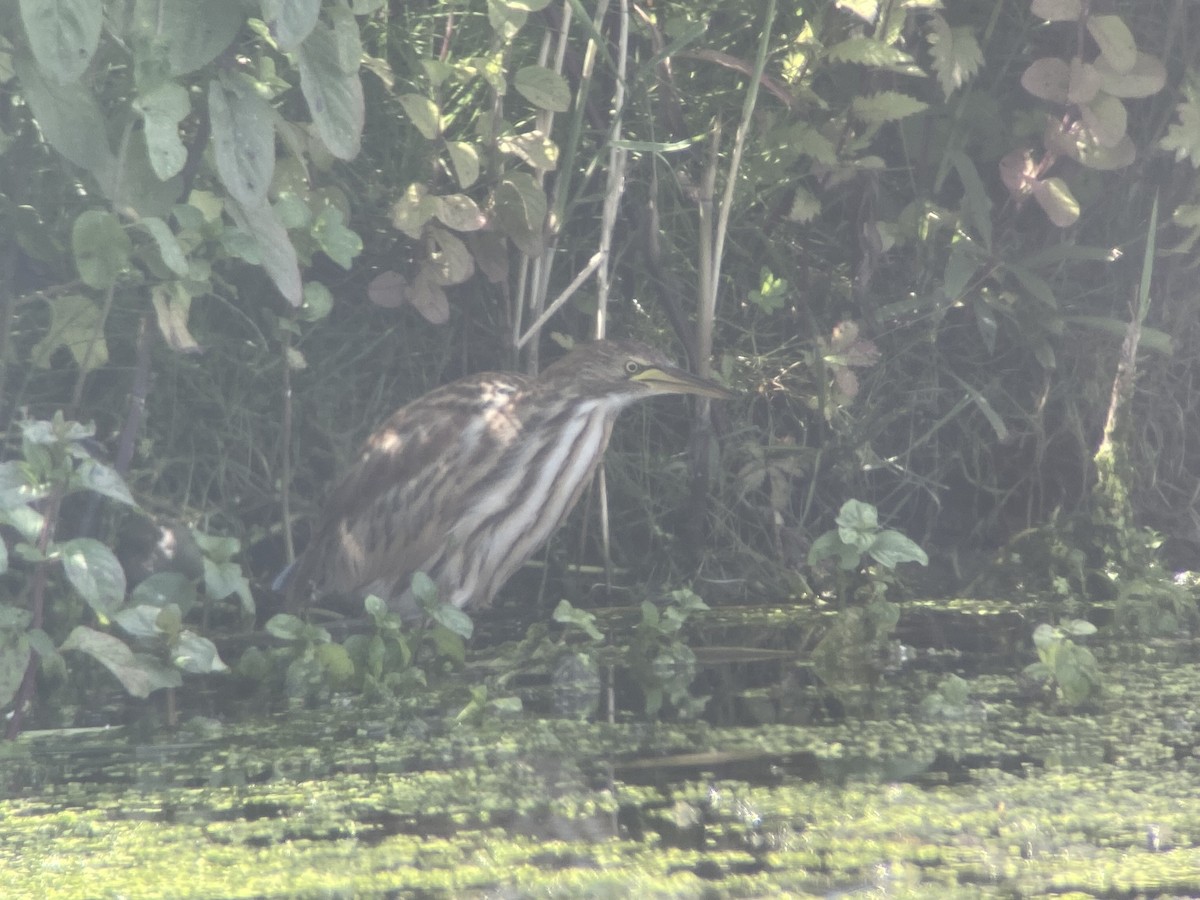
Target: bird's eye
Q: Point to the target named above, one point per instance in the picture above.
(632, 367)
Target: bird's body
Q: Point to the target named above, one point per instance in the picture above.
(468, 481)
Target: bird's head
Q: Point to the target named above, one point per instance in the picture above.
(628, 370)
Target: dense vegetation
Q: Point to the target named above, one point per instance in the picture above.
(946, 253)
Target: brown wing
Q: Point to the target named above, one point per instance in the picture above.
(415, 476)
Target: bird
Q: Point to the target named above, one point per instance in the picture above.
(466, 482)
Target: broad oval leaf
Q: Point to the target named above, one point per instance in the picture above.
(334, 95)
(412, 211)
(198, 655)
(450, 260)
(104, 480)
(162, 109)
(290, 21)
(890, 548)
(243, 139)
(1112, 35)
(458, 211)
(139, 674)
(465, 159)
(278, 254)
(1048, 78)
(70, 118)
(94, 572)
(543, 88)
(428, 298)
(1056, 199)
(100, 247)
(1057, 10)
(63, 34)
(388, 289)
(1106, 119)
(423, 113)
(169, 249)
(1145, 77)
(189, 34)
(520, 205)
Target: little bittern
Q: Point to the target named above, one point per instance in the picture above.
(468, 481)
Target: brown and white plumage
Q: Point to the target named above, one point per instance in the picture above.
(466, 482)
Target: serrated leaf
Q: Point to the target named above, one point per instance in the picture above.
(94, 572)
(278, 254)
(465, 159)
(865, 51)
(76, 322)
(332, 88)
(139, 674)
(458, 211)
(1112, 35)
(543, 88)
(1053, 196)
(423, 113)
(1183, 136)
(805, 207)
(1048, 78)
(886, 106)
(956, 54)
(70, 119)
(243, 134)
(63, 34)
(172, 304)
(1057, 10)
(290, 21)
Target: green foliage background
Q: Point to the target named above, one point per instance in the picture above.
(921, 226)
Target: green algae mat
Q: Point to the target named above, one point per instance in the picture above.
(994, 795)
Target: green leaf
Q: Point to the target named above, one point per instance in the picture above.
(978, 204)
(1183, 137)
(101, 248)
(225, 579)
(290, 21)
(169, 249)
(277, 253)
(94, 572)
(886, 106)
(452, 619)
(1057, 10)
(332, 86)
(412, 211)
(104, 480)
(543, 88)
(465, 159)
(198, 655)
(865, 51)
(1146, 77)
(423, 113)
(1048, 78)
(891, 548)
(63, 34)
(533, 147)
(956, 54)
(1056, 199)
(428, 297)
(16, 487)
(1035, 284)
(140, 622)
(76, 322)
(15, 653)
(172, 304)
(190, 34)
(805, 207)
(1112, 35)
(162, 588)
(70, 119)
(458, 211)
(1106, 119)
(243, 133)
(338, 242)
(163, 109)
(139, 674)
(520, 206)
(450, 259)
(286, 627)
(566, 614)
